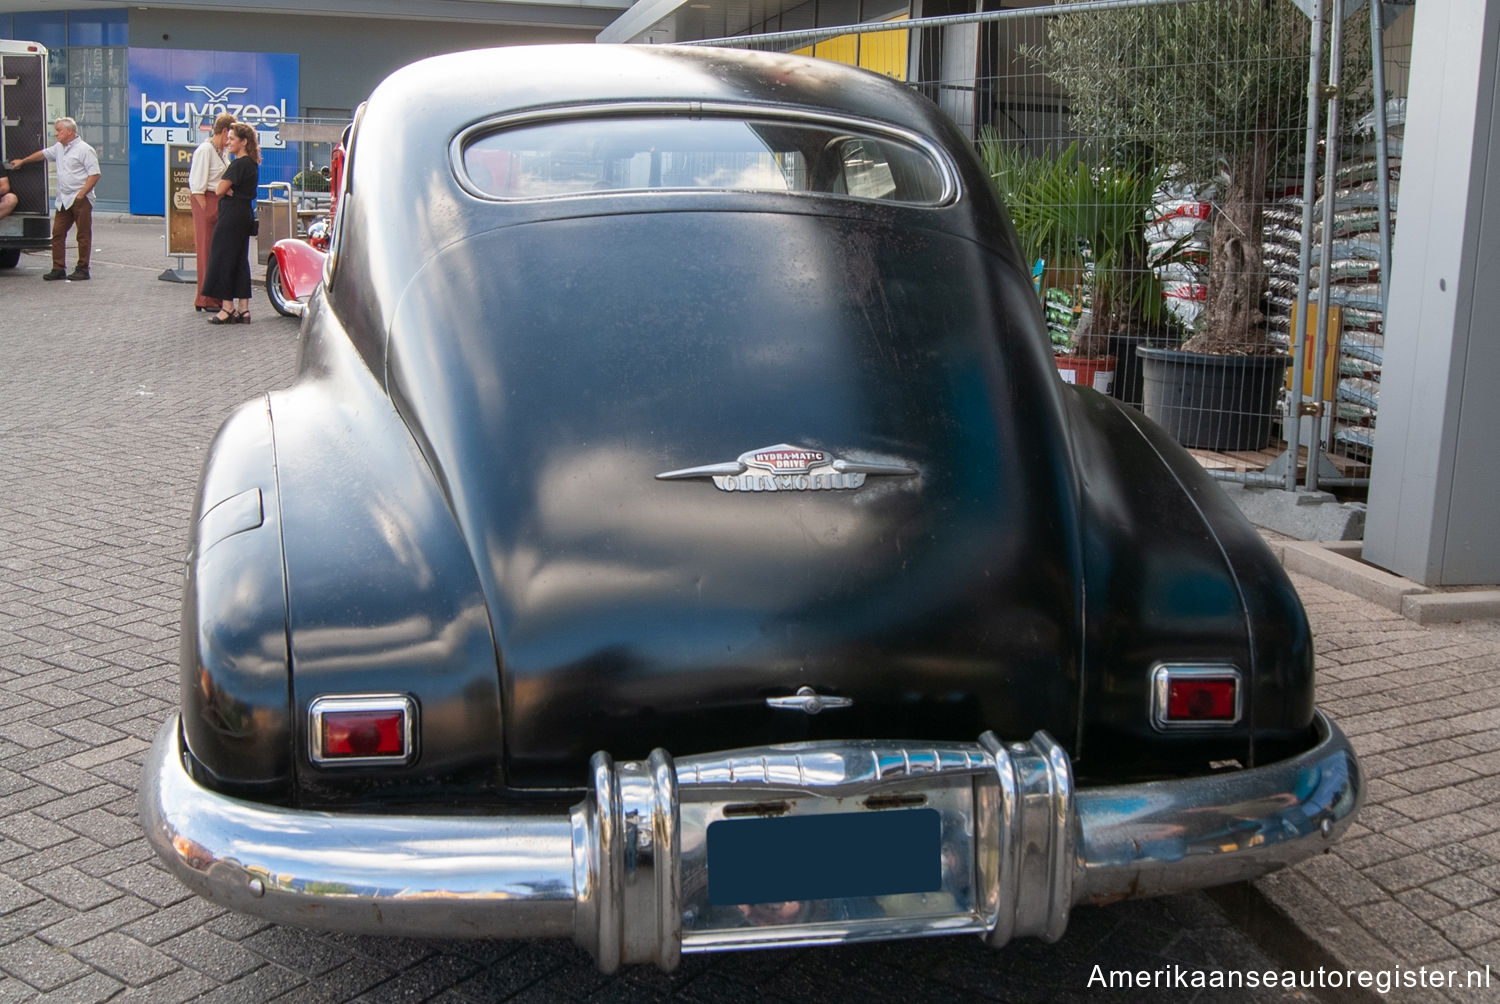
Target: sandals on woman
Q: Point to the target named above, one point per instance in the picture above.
(234, 317)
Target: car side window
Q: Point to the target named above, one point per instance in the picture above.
(580, 155)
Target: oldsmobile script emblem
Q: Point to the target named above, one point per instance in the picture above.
(785, 468)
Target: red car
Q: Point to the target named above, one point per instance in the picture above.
(296, 266)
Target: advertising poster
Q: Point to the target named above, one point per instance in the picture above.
(179, 203)
(175, 94)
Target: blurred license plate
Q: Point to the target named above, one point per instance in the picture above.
(824, 856)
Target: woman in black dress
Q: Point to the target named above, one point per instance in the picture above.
(227, 276)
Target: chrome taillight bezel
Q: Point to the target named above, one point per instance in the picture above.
(1162, 675)
(369, 703)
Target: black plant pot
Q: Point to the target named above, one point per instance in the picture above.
(1127, 385)
(1212, 402)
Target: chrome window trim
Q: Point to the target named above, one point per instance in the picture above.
(947, 170)
(360, 702)
(1164, 672)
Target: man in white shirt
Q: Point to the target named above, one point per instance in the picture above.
(77, 174)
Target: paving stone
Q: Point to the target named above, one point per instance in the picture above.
(174, 988)
(40, 965)
(1370, 850)
(104, 827)
(236, 926)
(1406, 872)
(95, 987)
(125, 959)
(150, 882)
(1443, 830)
(266, 983)
(107, 862)
(1461, 891)
(345, 982)
(423, 980)
(297, 950)
(1415, 943)
(1424, 904)
(84, 925)
(74, 889)
(1336, 879)
(1467, 930)
(14, 895)
(163, 923)
(49, 859)
(212, 955)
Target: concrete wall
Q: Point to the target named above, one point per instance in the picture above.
(342, 59)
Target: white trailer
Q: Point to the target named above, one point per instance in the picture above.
(24, 130)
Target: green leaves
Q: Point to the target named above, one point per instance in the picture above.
(1086, 220)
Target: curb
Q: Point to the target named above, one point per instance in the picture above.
(1338, 564)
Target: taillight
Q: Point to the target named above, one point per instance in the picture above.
(1199, 695)
(362, 729)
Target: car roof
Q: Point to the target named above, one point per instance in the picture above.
(461, 88)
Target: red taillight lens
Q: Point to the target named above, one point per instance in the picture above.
(364, 733)
(362, 728)
(1194, 695)
(1202, 700)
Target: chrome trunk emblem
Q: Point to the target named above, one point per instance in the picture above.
(784, 467)
(808, 700)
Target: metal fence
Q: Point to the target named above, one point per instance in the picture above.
(1167, 164)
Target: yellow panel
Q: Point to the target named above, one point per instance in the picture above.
(885, 51)
(843, 49)
(1309, 357)
(882, 51)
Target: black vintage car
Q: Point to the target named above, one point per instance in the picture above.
(679, 539)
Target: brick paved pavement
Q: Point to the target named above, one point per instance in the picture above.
(1416, 881)
(111, 392)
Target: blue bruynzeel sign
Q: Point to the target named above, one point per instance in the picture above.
(175, 94)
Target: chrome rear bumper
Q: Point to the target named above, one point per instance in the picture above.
(625, 872)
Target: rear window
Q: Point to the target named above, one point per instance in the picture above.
(584, 155)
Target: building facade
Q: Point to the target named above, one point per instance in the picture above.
(318, 68)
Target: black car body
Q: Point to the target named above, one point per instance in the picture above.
(698, 401)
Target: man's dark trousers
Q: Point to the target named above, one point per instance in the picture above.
(80, 215)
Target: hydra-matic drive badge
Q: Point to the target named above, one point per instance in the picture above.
(785, 468)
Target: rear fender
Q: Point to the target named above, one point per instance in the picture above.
(301, 266)
(382, 596)
(234, 668)
(1174, 573)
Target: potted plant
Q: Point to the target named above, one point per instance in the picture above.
(1083, 222)
(1223, 97)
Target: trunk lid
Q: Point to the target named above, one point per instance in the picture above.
(630, 611)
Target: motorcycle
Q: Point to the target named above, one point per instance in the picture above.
(295, 265)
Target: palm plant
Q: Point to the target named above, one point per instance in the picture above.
(1088, 220)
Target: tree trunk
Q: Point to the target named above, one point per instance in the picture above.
(1232, 322)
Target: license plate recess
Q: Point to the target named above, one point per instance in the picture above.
(800, 866)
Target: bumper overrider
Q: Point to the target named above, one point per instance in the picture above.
(803, 844)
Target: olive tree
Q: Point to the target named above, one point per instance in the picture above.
(1218, 89)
